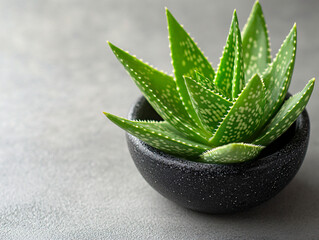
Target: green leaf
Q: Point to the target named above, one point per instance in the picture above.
(277, 77)
(244, 116)
(231, 153)
(204, 81)
(210, 106)
(238, 82)
(229, 77)
(186, 58)
(256, 47)
(160, 91)
(286, 116)
(160, 135)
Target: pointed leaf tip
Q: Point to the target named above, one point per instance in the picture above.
(286, 116)
(113, 47)
(235, 17)
(256, 46)
(168, 13)
(278, 75)
(110, 44)
(161, 92)
(257, 4)
(229, 77)
(244, 116)
(108, 115)
(186, 57)
(294, 27)
(210, 106)
(160, 135)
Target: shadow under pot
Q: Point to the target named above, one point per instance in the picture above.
(217, 188)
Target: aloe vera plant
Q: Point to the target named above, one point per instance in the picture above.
(223, 116)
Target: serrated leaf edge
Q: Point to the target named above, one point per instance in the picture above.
(210, 90)
(196, 121)
(288, 74)
(159, 135)
(270, 130)
(231, 29)
(231, 107)
(265, 28)
(159, 102)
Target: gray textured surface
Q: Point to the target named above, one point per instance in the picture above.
(65, 171)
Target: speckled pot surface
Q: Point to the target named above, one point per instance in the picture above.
(215, 188)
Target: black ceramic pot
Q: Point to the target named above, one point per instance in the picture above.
(216, 188)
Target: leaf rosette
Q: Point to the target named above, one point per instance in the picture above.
(227, 116)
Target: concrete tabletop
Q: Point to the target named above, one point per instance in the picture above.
(65, 171)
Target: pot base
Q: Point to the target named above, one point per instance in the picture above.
(217, 188)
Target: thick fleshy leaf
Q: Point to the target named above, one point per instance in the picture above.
(160, 91)
(210, 106)
(186, 58)
(256, 47)
(206, 82)
(230, 76)
(286, 116)
(231, 153)
(277, 77)
(244, 116)
(238, 82)
(160, 135)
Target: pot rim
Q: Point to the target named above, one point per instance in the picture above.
(298, 128)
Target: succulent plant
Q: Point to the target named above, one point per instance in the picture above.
(226, 116)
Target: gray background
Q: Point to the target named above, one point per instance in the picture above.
(65, 171)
